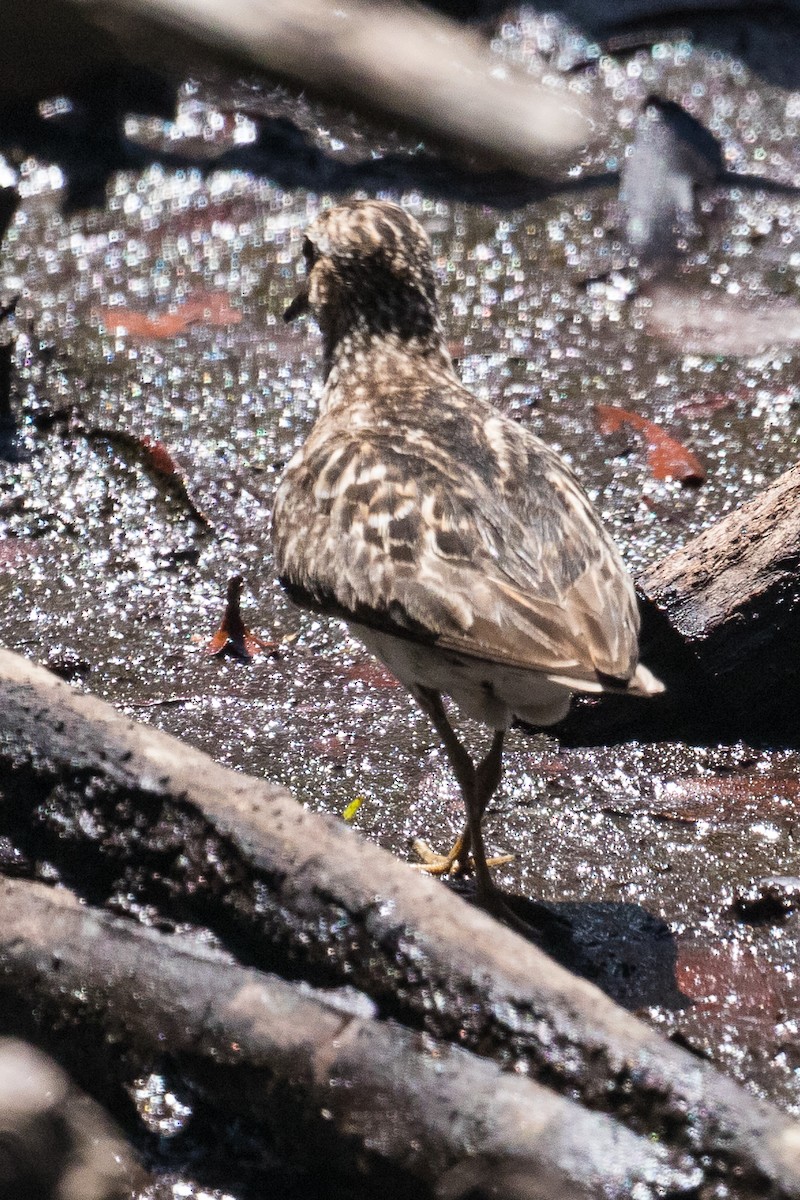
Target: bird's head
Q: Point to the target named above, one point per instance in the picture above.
(368, 274)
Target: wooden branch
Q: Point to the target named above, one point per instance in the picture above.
(119, 810)
(392, 60)
(327, 1082)
(55, 1143)
(732, 595)
(721, 627)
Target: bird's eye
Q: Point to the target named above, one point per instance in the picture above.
(309, 253)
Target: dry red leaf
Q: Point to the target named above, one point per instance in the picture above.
(667, 458)
(209, 308)
(218, 642)
(159, 457)
(735, 977)
(703, 404)
(728, 799)
(126, 322)
(331, 748)
(14, 551)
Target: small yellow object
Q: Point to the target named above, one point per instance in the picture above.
(353, 808)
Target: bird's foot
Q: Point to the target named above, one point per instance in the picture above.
(457, 862)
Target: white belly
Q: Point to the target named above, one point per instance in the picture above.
(485, 691)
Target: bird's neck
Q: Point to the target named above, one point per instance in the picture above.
(365, 362)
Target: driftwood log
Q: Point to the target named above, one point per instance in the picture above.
(388, 60)
(721, 627)
(395, 60)
(732, 595)
(130, 818)
(327, 1079)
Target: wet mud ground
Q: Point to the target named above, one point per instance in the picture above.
(160, 317)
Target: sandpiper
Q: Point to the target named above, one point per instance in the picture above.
(458, 547)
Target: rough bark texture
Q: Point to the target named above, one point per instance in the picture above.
(732, 594)
(131, 817)
(721, 627)
(326, 1079)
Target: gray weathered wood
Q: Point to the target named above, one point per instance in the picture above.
(326, 1079)
(392, 60)
(55, 1143)
(113, 801)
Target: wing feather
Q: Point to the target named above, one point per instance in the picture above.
(500, 556)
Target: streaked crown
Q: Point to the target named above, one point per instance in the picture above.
(369, 273)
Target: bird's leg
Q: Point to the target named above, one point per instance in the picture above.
(430, 701)
(487, 776)
(477, 786)
(487, 779)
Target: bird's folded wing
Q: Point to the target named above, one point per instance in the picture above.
(396, 541)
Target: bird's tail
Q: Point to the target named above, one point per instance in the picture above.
(645, 683)
(642, 683)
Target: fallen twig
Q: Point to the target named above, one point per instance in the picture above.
(158, 460)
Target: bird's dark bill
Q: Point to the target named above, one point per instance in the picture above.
(298, 307)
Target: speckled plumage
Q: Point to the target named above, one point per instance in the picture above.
(460, 547)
